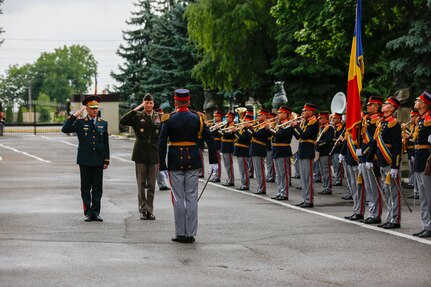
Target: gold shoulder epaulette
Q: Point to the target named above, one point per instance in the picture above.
(312, 122)
(374, 120)
(427, 121)
(165, 117)
(392, 122)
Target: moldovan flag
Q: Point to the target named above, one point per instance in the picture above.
(356, 71)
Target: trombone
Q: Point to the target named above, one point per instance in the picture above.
(238, 125)
(285, 124)
(217, 126)
(264, 122)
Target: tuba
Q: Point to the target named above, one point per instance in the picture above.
(241, 112)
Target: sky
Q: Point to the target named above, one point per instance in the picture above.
(35, 26)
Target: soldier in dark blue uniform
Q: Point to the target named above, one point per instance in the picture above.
(422, 139)
(241, 151)
(386, 144)
(269, 160)
(93, 154)
(306, 132)
(218, 117)
(282, 152)
(324, 144)
(339, 130)
(182, 128)
(227, 147)
(407, 130)
(260, 136)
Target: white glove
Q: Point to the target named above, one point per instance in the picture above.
(412, 158)
(213, 168)
(429, 138)
(394, 172)
(164, 173)
(359, 152)
(341, 157)
(368, 165)
(360, 168)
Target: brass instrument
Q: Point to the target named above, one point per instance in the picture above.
(404, 131)
(295, 118)
(217, 125)
(209, 123)
(265, 122)
(239, 125)
(241, 111)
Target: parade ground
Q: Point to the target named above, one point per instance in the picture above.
(243, 239)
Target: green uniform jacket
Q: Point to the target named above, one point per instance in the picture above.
(93, 148)
(147, 130)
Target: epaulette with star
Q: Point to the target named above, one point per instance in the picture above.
(392, 122)
(166, 117)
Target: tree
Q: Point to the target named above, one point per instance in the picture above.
(15, 84)
(1, 28)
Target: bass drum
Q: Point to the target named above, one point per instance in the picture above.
(294, 145)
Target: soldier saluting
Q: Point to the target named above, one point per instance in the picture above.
(93, 154)
(146, 125)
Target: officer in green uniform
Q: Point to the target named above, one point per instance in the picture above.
(146, 125)
(93, 154)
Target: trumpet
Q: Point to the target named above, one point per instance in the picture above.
(217, 125)
(209, 122)
(264, 122)
(283, 125)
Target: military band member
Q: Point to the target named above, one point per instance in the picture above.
(146, 125)
(408, 147)
(306, 132)
(93, 154)
(370, 177)
(250, 112)
(227, 147)
(218, 118)
(241, 151)
(337, 166)
(260, 135)
(182, 128)
(323, 146)
(422, 139)
(386, 144)
(282, 152)
(269, 161)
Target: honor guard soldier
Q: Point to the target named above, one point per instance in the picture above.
(93, 154)
(241, 151)
(339, 131)
(182, 128)
(324, 144)
(146, 125)
(372, 189)
(269, 160)
(386, 144)
(407, 130)
(422, 139)
(282, 152)
(260, 135)
(250, 113)
(218, 117)
(306, 132)
(227, 147)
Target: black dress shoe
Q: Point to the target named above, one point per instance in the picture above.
(300, 204)
(415, 196)
(337, 184)
(282, 198)
(357, 217)
(347, 197)
(164, 188)
(270, 180)
(307, 205)
(215, 180)
(143, 216)
(87, 218)
(97, 218)
(371, 220)
(383, 224)
(179, 238)
(189, 239)
(348, 217)
(425, 234)
(419, 233)
(298, 187)
(227, 184)
(243, 188)
(264, 192)
(150, 216)
(392, 226)
(325, 192)
(295, 176)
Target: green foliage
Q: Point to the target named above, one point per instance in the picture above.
(43, 109)
(9, 115)
(15, 84)
(1, 28)
(20, 117)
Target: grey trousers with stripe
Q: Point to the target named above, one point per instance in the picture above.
(373, 193)
(358, 192)
(282, 171)
(228, 165)
(338, 169)
(243, 171)
(325, 163)
(424, 186)
(392, 196)
(259, 169)
(269, 166)
(184, 190)
(306, 174)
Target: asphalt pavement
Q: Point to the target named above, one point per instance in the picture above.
(243, 239)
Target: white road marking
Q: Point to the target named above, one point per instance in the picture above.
(371, 227)
(26, 153)
(75, 145)
(1, 158)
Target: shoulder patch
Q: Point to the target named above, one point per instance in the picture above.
(392, 122)
(165, 117)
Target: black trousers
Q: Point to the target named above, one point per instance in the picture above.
(91, 188)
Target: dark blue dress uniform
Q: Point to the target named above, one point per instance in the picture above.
(281, 140)
(227, 148)
(324, 147)
(241, 151)
(421, 145)
(93, 154)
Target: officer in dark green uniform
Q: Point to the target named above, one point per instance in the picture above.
(93, 154)
(146, 125)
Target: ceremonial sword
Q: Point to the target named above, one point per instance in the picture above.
(206, 183)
